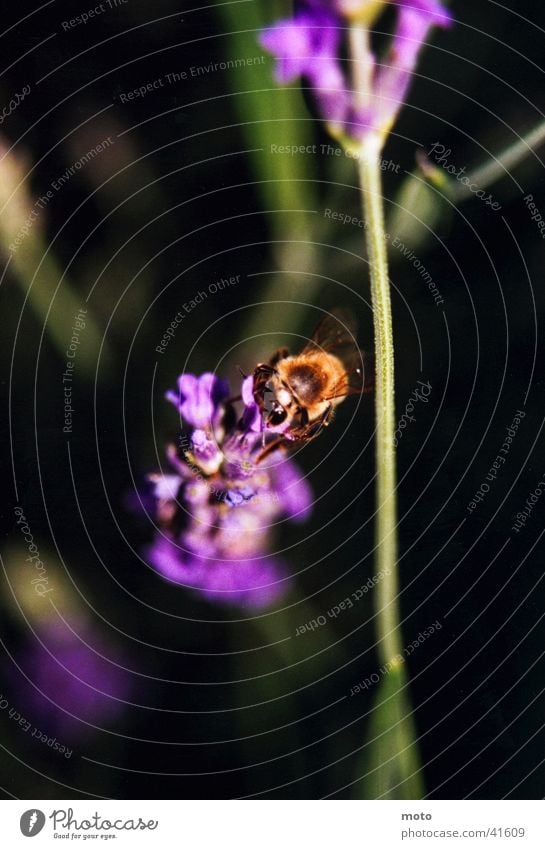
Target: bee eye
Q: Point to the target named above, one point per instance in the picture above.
(277, 415)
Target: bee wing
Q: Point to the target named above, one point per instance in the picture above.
(336, 329)
(336, 334)
(359, 374)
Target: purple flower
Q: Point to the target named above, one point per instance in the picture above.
(198, 398)
(310, 45)
(252, 415)
(76, 681)
(293, 489)
(249, 583)
(216, 510)
(393, 78)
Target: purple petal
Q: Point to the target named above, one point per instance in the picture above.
(74, 672)
(309, 45)
(199, 399)
(290, 41)
(252, 418)
(166, 487)
(247, 391)
(206, 451)
(244, 529)
(433, 11)
(251, 583)
(173, 563)
(415, 19)
(392, 81)
(411, 32)
(236, 496)
(293, 490)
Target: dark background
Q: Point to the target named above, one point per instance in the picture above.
(222, 703)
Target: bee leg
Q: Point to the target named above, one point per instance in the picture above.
(307, 431)
(272, 446)
(264, 369)
(262, 374)
(326, 418)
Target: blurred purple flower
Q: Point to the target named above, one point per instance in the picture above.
(216, 511)
(75, 678)
(310, 45)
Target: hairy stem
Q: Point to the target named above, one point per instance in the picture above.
(392, 769)
(389, 634)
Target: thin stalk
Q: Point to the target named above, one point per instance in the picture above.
(389, 634)
(392, 768)
(501, 164)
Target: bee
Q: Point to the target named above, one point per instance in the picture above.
(297, 394)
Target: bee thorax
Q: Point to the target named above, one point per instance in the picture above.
(306, 383)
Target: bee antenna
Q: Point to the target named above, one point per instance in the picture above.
(244, 376)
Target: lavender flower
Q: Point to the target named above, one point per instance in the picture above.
(309, 45)
(77, 681)
(217, 507)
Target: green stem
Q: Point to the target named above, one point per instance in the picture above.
(501, 164)
(389, 634)
(392, 767)
(369, 159)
